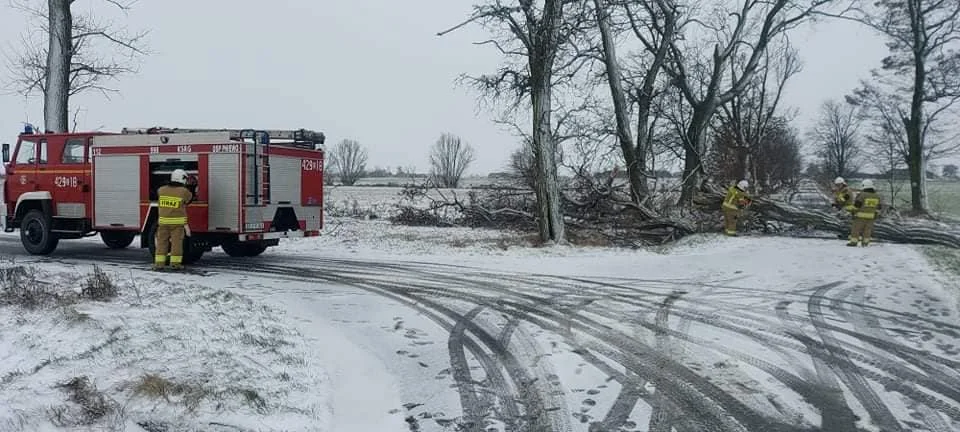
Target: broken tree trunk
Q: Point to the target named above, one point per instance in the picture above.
(914, 231)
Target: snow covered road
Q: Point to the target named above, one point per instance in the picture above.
(718, 334)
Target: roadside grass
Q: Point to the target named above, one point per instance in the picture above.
(947, 261)
(944, 259)
(943, 196)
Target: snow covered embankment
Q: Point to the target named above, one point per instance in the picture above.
(84, 350)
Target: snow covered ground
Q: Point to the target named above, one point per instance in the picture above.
(434, 329)
(161, 356)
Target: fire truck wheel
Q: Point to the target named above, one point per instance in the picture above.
(117, 240)
(239, 250)
(35, 234)
(191, 253)
(151, 239)
(256, 250)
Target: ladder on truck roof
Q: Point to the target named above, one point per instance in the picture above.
(298, 136)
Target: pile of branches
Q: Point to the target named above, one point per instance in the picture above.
(594, 207)
(600, 206)
(889, 228)
(426, 205)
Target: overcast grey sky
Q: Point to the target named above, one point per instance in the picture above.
(371, 70)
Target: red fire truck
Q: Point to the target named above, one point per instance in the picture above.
(253, 187)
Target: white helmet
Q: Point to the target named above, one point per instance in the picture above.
(867, 184)
(743, 184)
(839, 181)
(178, 176)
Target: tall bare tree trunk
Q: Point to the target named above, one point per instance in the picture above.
(550, 219)
(57, 95)
(693, 150)
(644, 156)
(541, 62)
(635, 166)
(914, 125)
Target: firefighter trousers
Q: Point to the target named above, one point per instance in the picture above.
(861, 231)
(169, 240)
(730, 217)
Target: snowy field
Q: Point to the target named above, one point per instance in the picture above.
(376, 327)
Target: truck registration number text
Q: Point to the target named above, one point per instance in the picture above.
(66, 182)
(312, 165)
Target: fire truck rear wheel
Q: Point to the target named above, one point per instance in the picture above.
(239, 250)
(117, 240)
(36, 235)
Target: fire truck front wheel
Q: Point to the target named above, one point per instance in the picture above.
(36, 235)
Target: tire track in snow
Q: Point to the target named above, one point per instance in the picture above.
(844, 367)
(473, 409)
(357, 269)
(536, 415)
(695, 394)
(661, 418)
(870, 325)
(836, 415)
(888, 382)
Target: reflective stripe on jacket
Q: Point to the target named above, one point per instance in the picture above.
(172, 204)
(867, 204)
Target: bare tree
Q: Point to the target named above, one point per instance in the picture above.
(449, 158)
(72, 56)
(655, 31)
(748, 116)
(521, 164)
(534, 34)
(836, 138)
(349, 161)
(923, 68)
(702, 76)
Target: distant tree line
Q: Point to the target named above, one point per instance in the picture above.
(449, 159)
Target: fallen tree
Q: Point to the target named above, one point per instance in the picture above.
(602, 209)
(888, 228)
(589, 209)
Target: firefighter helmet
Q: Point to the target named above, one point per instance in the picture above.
(839, 181)
(743, 185)
(178, 176)
(867, 184)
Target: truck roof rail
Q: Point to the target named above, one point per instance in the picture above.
(296, 135)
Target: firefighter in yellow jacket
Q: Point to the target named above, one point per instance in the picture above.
(172, 220)
(868, 205)
(736, 199)
(843, 196)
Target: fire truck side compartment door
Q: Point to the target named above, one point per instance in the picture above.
(223, 191)
(117, 197)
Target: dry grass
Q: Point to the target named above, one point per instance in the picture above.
(90, 405)
(20, 286)
(190, 395)
(99, 286)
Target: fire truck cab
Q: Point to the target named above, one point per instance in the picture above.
(252, 188)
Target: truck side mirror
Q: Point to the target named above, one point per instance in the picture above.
(6, 153)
